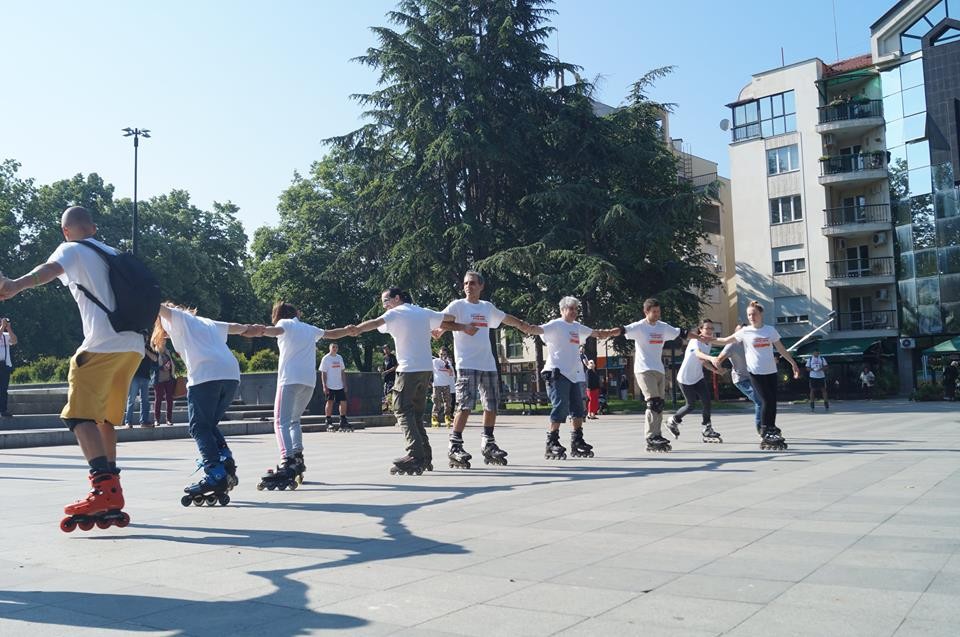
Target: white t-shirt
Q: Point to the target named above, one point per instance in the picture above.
(691, 369)
(6, 358)
(84, 266)
(298, 352)
(410, 327)
(816, 364)
(758, 348)
(333, 365)
(474, 352)
(441, 373)
(202, 344)
(563, 348)
(738, 362)
(649, 340)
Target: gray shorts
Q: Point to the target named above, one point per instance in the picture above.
(470, 383)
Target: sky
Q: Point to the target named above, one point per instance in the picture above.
(239, 94)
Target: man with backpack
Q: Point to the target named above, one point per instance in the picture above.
(104, 364)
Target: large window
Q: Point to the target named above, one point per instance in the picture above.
(783, 160)
(784, 209)
(766, 117)
(514, 344)
(911, 40)
(789, 265)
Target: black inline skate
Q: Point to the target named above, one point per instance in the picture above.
(283, 477)
(492, 454)
(210, 490)
(230, 466)
(773, 441)
(459, 458)
(554, 450)
(300, 467)
(709, 435)
(344, 426)
(578, 446)
(674, 426)
(406, 466)
(658, 444)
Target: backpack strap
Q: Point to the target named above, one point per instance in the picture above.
(86, 292)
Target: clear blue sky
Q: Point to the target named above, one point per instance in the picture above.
(239, 93)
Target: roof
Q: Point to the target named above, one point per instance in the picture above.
(889, 13)
(843, 347)
(850, 64)
(947, 347)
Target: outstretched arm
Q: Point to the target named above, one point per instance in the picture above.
(366, 326)
(335, 333)
(40, 275)
(724, 340)
(518, 324)
(783, 352)
(608, 333)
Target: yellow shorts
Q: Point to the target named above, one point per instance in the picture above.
(98, 384)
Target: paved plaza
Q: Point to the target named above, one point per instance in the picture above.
(854, 530)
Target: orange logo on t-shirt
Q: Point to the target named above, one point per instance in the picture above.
(656, 339)
(761, 342)
(478, 320)
(575, 338)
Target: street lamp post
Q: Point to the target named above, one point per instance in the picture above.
(136, 133)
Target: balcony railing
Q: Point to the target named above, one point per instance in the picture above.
(859, 268)
(853, 163)
(871, 213)
(850, 110)
(871, 320)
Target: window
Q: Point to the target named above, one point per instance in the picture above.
(514, 344)
(783, 160)
(789, 265)
(765, 117)
(791, 309)
(792, 319)
(784, 209)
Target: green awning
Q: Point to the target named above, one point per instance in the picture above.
(844, 347)
(951, 346)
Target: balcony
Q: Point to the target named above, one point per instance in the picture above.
(860, 272)
(853, 169)
(850, 117)
(864, 321)
(853, 220)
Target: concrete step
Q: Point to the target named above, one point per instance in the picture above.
(53, 436)
(52, 421)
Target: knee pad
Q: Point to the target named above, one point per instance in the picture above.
(656, 405)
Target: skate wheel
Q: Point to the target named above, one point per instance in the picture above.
(419, 472)
(186, 500)
(294, 485)
(123, 521)
(85, 525)
(260, 487)
(198, 500)
(211, 499)
(486, 461)
(67, 525)
(224, 500)
(282, 487)
(103, 524)
(300, 479)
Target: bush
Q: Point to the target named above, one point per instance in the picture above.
(21, 376)
(266, 360)
(43, 369)
(242, 359)
(927, 392)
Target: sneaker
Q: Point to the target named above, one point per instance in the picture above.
(674, 427)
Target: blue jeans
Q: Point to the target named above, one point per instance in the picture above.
(566, 397)
(139, 387)
(747, 390)
(206, 405)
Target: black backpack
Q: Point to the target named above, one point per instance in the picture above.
(135, 288)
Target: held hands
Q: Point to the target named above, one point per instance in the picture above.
(437, 333)
(470, 329)
(352, 330)
(254, 331)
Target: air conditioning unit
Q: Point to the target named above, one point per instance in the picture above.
(908, 343)
(882, 294)
(879, 238)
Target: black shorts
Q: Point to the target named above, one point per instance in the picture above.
(817, 383)
(337, 395)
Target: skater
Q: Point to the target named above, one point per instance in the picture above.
(7, 340)
(100, 371)
(442, 372)
(476, 369)
(410, 325)
(593, 391)
(759, 341)
(296, 380)
(213, 376)
(389, 373)
(333, 377)
(693, 385)
(867, 379)
(818, 379)
(950, 374)
(164, 384)
(564, 373)
(740, 375)
(649, 335)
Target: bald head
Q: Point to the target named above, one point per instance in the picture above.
(77, 223)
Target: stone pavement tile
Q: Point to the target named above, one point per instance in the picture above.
(613, 628)
(615, 578)
(877, 577)
(516, 568)
(787, 570)
(735, 589)
(791, 537)
(484, 620)
(675, 611)
(899, 543)
(730, 534)
(299, 592)
(911, 560)
(937, 607)
(468, 588)
(946, 583)
(374, 576)
(396, 606)
(841, 527)
(849, 599)
(888, 529)
(813, 555)
(793, 621)
(739, 521)
(420, 631)
(915, 627)
(51, 621)
(640, 525)
(572, 600)
(210, 617)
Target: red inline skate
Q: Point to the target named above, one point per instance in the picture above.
(101, 508)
